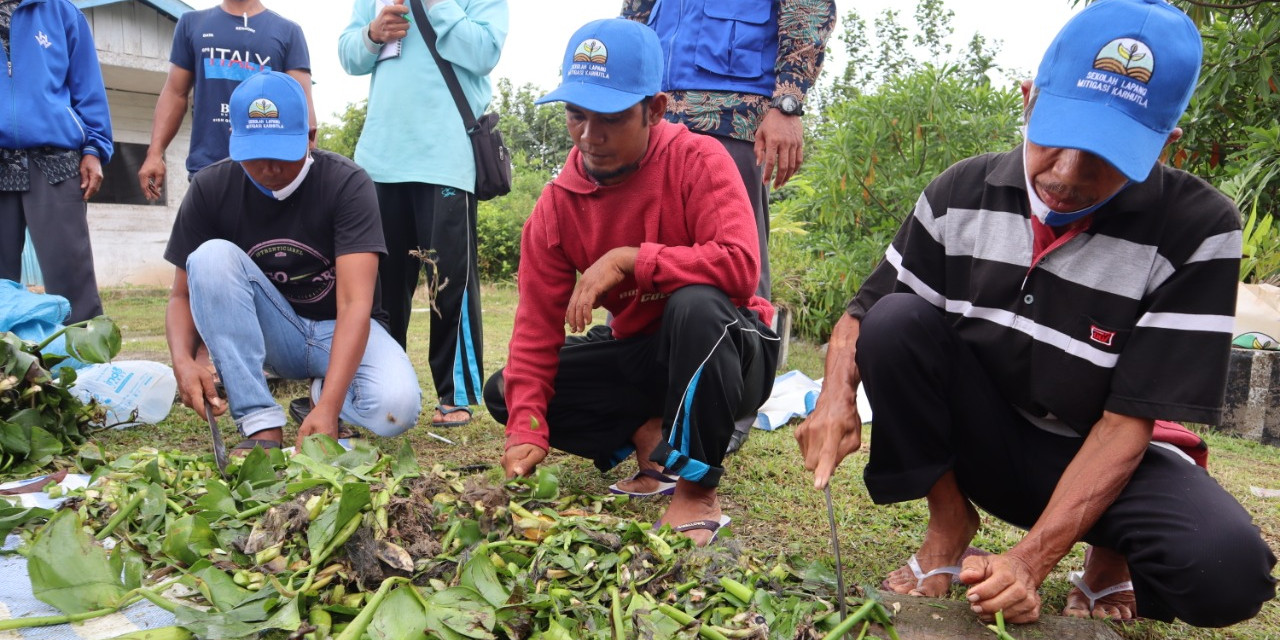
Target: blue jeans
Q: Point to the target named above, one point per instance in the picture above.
(248, 327)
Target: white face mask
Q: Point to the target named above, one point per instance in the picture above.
(293, 186)
(1042, 212)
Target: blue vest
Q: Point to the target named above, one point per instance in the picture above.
(719, 45)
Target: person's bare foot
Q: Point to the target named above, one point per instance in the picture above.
(952, 524)
(1104, 569)
(692, 502)
(645, 439)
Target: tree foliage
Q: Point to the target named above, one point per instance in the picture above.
(1232, 135)
(905, 109)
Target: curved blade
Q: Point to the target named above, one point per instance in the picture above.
(835, 549)
(219, 449)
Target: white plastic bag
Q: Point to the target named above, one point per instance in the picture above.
(126, 386)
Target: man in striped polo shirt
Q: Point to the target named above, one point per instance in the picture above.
(1035, 315)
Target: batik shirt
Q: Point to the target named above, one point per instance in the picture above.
(803, 29)
(57, 164)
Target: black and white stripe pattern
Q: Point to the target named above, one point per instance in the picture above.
(1134, 315)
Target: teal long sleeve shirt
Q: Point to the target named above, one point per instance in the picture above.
(412, 131)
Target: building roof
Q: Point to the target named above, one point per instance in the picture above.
(171, 8)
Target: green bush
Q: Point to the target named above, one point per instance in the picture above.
(500, 221)
(865, 168)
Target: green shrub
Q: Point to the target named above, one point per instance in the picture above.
(500, 221)
(872, 155)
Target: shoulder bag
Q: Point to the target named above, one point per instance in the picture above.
(493, 160)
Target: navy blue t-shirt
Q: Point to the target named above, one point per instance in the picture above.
(221, 50)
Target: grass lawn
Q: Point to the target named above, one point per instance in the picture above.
(766, 489)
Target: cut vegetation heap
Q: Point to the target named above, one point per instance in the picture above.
(354, 544)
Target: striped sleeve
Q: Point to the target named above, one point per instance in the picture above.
(1174, 365)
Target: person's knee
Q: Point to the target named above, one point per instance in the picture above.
(695, 303)
(213, 254)
(495, 399)
(1227, 574)
(392, 409)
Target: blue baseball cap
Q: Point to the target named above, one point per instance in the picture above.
(609, 66)
(269, 118)
(1115, 81)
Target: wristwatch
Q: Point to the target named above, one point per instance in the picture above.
(788, 105)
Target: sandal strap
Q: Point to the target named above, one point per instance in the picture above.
(921, 575)
(1076, 578)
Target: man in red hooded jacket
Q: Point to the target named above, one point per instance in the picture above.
(651, 222)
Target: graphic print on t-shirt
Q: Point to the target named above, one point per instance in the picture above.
(300, 273)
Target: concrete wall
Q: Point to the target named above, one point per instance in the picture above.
(1252, 408)
(133, 42)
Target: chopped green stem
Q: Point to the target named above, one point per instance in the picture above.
(852, 621)
(249, 513)
(361, 621)
(1000, 633)
(615, 611)
(738, 590)
(44, 621)
(151, 594)
(685, 619)
(120, 516)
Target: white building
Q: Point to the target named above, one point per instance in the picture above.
(133, 38)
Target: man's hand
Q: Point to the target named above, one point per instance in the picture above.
(151, 176)
(320, 420)
(780, 144)
(392, 23)
(611, 269)
(522, 459)
(1002, 582)
(90, 175)
(826, 438)
(196, 387)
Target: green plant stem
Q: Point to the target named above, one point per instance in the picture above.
(738, 590)
(54, 336)
(852, 621)
(615, 611)
(361, 621)
(251, 512)
(152, 594)
(685, 619)
(120, 516)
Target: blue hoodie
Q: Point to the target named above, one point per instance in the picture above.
(51, 90)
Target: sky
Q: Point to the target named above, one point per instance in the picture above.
(540, 29)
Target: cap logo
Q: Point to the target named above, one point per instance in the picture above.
(591, 50)
(1126, 57)
(263, 108)
(1124, 66)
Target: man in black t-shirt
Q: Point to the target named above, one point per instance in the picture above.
(277, 253)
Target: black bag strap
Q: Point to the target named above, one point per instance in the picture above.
(446, 68)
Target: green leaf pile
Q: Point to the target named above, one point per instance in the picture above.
(356, 544)
(39, 418)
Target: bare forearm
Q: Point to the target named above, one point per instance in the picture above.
(350, 336)
(841, 379)
(180, 330)
(170, 109)
(1096, 476)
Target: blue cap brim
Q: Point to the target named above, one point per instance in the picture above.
(288, 147)
(1093, 126)
(592, 97)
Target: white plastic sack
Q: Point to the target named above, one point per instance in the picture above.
(126, 386)
(1257, 316)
